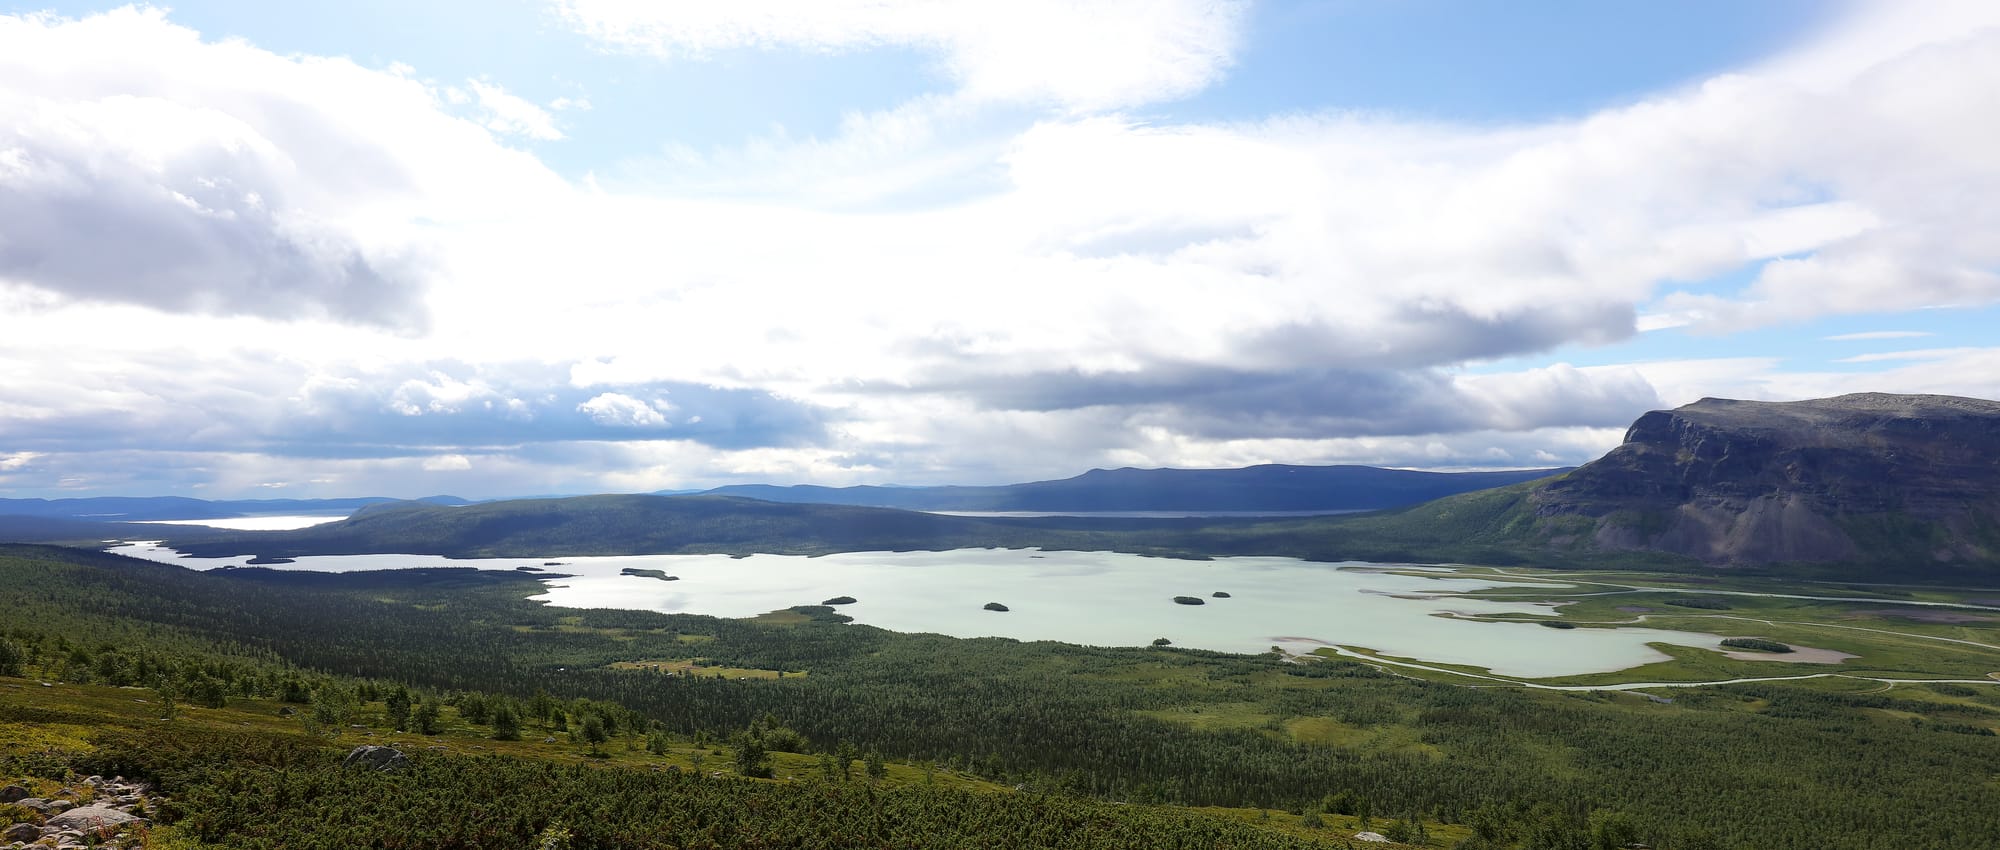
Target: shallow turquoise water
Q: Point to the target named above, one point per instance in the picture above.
(1098, 598)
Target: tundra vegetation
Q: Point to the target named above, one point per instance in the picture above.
(522, 725)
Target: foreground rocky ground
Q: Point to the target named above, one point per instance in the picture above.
(92, 812)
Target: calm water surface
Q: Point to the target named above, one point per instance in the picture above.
(1097, 598)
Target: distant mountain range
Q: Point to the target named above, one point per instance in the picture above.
(622, 525)
(1266, 488)
(1862, 485)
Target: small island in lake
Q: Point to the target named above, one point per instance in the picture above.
(839, 600)
(995, 606)
(658, 574)
(528, 569)
(260, 560)
(1190, 600)
(1220, 594)
(1556, 624)
(1758, 644)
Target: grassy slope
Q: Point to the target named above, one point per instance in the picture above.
(49, 726)
(1689, 754)
(44, 727)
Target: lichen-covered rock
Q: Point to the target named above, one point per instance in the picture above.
(376, 758)
(25, 833)
(99, 821)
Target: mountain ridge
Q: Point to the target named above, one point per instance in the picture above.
(1262, 487)
(1903, 482)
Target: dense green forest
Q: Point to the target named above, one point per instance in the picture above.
(1771, 765)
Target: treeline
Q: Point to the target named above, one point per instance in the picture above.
(1775, 766)
(252, 792)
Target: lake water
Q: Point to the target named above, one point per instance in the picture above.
(1097, 598)
(256, 522)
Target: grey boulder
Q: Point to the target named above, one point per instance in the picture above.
(376, 758)
(100, 821)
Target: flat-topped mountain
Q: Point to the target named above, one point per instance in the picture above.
(1910, 482)
(1858, 477)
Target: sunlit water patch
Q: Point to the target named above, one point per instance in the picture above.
(266, 522)
(1098, 598)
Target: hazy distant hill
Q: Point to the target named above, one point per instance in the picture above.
(1271, 487)
(612, 525)
(1861, 484)
(135, 508)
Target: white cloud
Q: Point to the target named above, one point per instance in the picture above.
(1875, 335)
(510, 114)
(1037, 315)
(625, 411)
(1103, 54)
(447, 463)
(139, 164)
(1930, 354)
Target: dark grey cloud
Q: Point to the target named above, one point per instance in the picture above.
(206, 230)
(1223, 403)
(414, 410)
(1435, 333)
(463, 405)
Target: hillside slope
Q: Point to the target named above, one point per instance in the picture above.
(1268, 487)
(1906, 482)
(618, 525)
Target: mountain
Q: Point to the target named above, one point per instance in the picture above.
(1910, 482)
(622, 525)
(1270, 487)
(140, 508)
(1856, 485)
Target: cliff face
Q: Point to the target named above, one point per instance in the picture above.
(1868, 477)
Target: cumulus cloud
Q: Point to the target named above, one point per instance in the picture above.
(1876, 335)
(447, 463)
(624, 411)
(141, 164)
(505, 112)
(1233, 404)
(998, 282)
(1099, 55)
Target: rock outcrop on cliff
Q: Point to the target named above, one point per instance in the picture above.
(1870, 478)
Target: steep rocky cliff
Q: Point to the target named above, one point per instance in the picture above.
(1858, 478)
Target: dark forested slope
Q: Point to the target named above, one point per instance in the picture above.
(1776, 766)
(606, 525)
(1269, 487)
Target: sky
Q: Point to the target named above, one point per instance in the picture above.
(514, 247)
